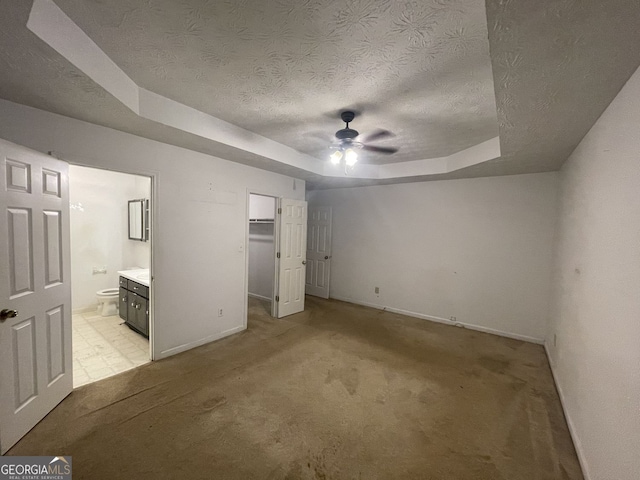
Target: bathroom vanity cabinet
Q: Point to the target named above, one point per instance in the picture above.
(134, 305)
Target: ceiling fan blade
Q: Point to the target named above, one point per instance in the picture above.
(387, 150)
(377, 135)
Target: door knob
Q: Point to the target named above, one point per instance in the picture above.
(6, 313)
(304, 262)
(327, 257)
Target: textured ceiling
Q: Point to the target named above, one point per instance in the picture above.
(278, 67)
(283, 69)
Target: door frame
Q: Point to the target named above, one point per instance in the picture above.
(152, 227)
(276, 241)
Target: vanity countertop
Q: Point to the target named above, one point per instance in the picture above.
(139, 275)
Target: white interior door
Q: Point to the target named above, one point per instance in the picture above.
(319, 251)
(35, 295)
(292, 241)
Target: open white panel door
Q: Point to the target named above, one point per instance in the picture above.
(35, 295)
(292, 246)
(319, 252)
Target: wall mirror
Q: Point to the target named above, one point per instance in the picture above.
(139, 220)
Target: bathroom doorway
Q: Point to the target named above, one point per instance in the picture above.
(109, 320)
(261, 254)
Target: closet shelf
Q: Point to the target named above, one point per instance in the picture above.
(261, 220)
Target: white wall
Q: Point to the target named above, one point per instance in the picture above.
(262, 207)
(596, 314)
(99, 235)
(200, 219)
(479, 249)
(261, 247)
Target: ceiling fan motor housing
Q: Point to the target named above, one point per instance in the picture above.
(346, 133)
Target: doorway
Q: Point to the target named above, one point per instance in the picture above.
(105, 252)
(276, 254)
(261, 252)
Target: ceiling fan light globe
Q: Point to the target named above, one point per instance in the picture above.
(350, 157)
(335, 157)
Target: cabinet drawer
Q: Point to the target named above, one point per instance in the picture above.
(139, 289)
(124, 282)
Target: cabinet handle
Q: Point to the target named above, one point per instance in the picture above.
(133, 304)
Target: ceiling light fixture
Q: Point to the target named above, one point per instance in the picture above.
(350, 157)
(335, 157)
(346, 154)
(348, 141)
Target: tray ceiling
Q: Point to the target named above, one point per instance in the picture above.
(284, 68)
(443, 75)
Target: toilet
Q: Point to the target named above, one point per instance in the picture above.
(107, 301)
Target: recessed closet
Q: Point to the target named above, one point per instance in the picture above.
(262, 211)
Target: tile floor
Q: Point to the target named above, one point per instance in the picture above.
(104, 346)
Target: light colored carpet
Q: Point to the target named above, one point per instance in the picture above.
(337, 392)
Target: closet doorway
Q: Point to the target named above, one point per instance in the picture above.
(262, 253)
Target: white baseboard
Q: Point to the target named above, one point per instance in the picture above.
(470, 326)
(572, 431)
(261, 297)
(188, 346)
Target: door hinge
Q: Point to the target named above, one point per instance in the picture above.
(280, 211)
(278, 255)
(277, 298)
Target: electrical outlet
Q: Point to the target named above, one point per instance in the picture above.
(219, 312)
(453, 319)
(377, 290)
(101, 269)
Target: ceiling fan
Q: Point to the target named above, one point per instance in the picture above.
(349, 140)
